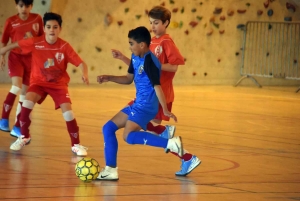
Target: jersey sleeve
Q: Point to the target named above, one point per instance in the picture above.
(172, 53)
(26, 45)
(41, 25)
(72, 56)
(151, 70)
(6, 32)
(130, 68)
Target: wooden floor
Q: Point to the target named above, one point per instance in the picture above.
(247, 138)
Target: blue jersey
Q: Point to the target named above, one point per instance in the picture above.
(146, 72)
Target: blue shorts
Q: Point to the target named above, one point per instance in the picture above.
(139, 115)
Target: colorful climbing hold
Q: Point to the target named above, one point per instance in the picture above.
(290, 7)
(138, 16)
(108, 19)
(270, 12)
(240, 26)
(182, 10)
(222, 17)
(230, 12)
(193, 24)
(186, 32)
(260, 12)
(175, 10)
(199, 18)
(126, 10)
(194, 10)
(79, 19)
(287, 19)
(218, 10)
(98, 49)
(222, 31)
(266, 3)
(216, 25)
(209, 32)
(241, 11)
(194, 74)
(120, 23)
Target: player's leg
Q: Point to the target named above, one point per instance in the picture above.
(33, 96)
(16, 71)
(26, 64)
(110, 172)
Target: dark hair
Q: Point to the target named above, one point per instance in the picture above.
(26, 2)
(140, 34)
(160, 13)
(52, 16)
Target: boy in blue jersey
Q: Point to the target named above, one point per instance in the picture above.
(144, 70)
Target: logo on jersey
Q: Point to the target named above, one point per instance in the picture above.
(158, 50)
(133, 60)
(67, 96)
(59, 57)
(75, 135)
(141, 69)
(28, 34)
(39, 46)
(14, 25)
(6, 107)
(36, 27)
(49, 63)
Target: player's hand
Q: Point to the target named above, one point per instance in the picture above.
(2, 62)
(117, 54)
(170, 114)
(85, 79)
(102, 78)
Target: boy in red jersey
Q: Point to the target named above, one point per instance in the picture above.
(168, 54)
(20, 26)
(50, 56)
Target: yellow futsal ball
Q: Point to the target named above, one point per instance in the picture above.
(87, 169)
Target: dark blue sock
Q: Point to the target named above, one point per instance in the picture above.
(110, 143)
(146, 138)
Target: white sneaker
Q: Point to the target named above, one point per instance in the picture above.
(175, 145)
(108, 174)
(19, 143)
(79, 150)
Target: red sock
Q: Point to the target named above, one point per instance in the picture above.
(8, 104)
(159, 129)
(185, 157)
(25, 121)
(17, 124)
(73, 130)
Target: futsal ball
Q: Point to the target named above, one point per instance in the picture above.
(87, 169)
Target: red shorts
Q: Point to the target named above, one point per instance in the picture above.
(59, 96)
(19, 66)
(160, 114)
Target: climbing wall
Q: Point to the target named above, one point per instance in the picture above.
(207, 32)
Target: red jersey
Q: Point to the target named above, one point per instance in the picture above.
(16, 29)
(166, 51)
(49, 61)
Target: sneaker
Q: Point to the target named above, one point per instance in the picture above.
(188, 166)
(108, 174)
(168, 132)
(19, 143)
(175, 145)
(4, 125)
(15, 132)
(79, 150)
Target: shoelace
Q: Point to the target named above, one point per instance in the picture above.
(21, 141)
(80, 146)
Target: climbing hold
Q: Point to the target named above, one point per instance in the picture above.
(43, 2)
(216, 25)
(193, 24)
(194, 10)
(172, 2)
(230, 12)
(212, 19)
(269, 26)
(287, 19)
(186, 32)
(222, 18)
(120, 67)
(180, 24)
(173, 24)
(205, 74)
(248, 4)
(201, 3)
(295, 61)
(122, 1)
(209, 32)
(182, 10)
(222, 31)
(126, 10)
(266, 3)
(79, 19)
(120, 23)
(237, 54)
(199, 18)
(175, 10)
(240, 26)
(163, 4)
(184, 59)
(241, 11)
(218, 10)
(138, 16)
(205, 25)
(270, 12)
(108, 19)
(194, 73)
(146, 12)
(267, 54)
(219, 60)
(79, 50)
(290, 7)
(92, 68)
(260, 12)
(98, 49)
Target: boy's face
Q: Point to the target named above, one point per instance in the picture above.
(23, 9)
(135, 47)
(158, 27)
(52, 30)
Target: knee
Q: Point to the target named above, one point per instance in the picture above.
(109, 127)
(125, 136)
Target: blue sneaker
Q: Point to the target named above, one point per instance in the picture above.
(16, 132)
(4, 125)
(188, 166)
(169, 132)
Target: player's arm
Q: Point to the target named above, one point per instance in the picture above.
(9, 47)
(2, 57)
(169, 67)
(118, 55)
(125, 79)
(173, 56)
(84, 69)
